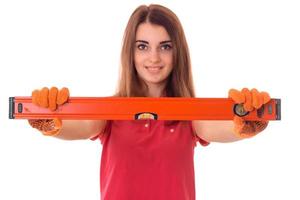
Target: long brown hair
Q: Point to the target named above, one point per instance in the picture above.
(180, 81)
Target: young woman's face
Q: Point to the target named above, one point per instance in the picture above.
(153, 53)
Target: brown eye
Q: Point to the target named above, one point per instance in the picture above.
(142, 47)
(166, 47)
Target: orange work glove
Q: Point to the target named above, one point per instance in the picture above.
(49, 99)
(251, 99)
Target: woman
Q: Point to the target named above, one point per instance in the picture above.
(147, 159)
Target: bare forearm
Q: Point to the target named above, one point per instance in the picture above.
(216, 131)
(226, 131)
(80, 129)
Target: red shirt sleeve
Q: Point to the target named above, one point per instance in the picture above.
(103, 134)
(201, 141)
(198, 139)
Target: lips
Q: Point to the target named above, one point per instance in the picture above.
(153, 69)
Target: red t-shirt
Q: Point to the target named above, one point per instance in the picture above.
(147, 160)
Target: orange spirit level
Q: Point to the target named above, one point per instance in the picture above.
(133, 108)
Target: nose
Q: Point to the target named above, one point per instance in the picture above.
(154, 56)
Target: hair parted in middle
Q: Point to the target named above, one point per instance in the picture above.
(180, 81)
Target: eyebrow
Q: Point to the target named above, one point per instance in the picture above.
(162, 42)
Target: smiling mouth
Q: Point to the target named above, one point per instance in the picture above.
(154, 69)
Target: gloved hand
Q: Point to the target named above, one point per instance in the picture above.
(49, 99)
(251, 99)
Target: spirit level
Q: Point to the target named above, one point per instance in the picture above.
(133, 108)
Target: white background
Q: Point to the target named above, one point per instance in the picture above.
(233, 44)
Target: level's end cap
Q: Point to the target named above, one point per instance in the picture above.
(278, 109)
(11, 114)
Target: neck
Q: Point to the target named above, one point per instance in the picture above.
(157, 90)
